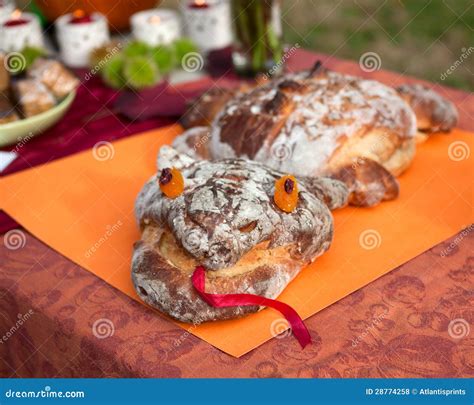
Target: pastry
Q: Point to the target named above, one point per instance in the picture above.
(7, 111)
(319, 122)
(4, 74)
(52, 74)
(46, 81)
(251, 227)
(33, 97)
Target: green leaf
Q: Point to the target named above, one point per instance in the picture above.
(140, 72)
(136, 48)
(112, 72)
(275, 45)
(182, 47)
(164, 57)
(31, 53)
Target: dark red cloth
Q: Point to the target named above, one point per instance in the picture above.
(6, 223)
(94, 117)
(413, 322)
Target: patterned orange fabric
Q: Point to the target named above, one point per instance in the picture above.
(416, 321)
(83, 209)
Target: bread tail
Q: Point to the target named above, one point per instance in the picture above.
(369, 183)
(434, 113)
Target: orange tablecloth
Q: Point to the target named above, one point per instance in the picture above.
(412, 322)
(82, 207)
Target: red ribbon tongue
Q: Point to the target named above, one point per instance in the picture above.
(232, 300)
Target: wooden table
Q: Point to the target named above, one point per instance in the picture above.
(413, 322)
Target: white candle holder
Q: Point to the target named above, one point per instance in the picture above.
(7, 7)
(77, 41)
(14, 38)
(208, 23)
(156, 26)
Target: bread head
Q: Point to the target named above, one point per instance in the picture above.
(227, 221)
(227, 208)
(162, 269)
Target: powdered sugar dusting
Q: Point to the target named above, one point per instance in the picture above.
(327, 109)
(441, 113)
(223, 197)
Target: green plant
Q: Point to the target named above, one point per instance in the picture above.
(140, 71)
(165, 58)
(31, 53)
(112, 72)
(139, 65)
(182, 47)
(259, 45)
(136, 48)
(18, 62)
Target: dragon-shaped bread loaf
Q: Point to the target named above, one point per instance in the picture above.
(319, 122)
(226, 219)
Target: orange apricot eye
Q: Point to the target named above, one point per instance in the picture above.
(171, 182)
(286, 193)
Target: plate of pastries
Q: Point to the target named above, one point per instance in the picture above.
(35, 99)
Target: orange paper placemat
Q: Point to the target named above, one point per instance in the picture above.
(82, 206)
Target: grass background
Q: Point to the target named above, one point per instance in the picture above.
(414, 37)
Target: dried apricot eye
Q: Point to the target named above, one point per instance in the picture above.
(171, 182)
(286, 193)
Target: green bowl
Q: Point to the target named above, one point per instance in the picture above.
(24, 129)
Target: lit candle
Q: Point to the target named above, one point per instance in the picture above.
(199, 4)
(208, 23)
(16, 19)
(156, 26)
(80, 17)
(20, 30)
(79, 34)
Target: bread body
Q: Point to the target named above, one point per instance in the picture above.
(314, 122)
(317, 122)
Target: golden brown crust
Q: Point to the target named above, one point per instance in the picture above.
(221, 198)
(368, 182)
(381, 146)
(434, 113)
(203, 110)
(317, 121)
(271, 122)
(33, 97)
(314, 122)
(227, 221)
(57, 78)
